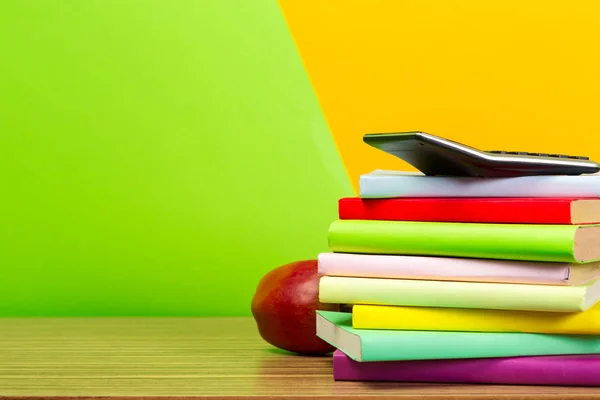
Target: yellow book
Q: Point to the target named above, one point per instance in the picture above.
(475, 320)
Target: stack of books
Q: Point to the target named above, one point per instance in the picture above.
(466, 280)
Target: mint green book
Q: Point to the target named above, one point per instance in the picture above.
(389, 345)
(560, 243)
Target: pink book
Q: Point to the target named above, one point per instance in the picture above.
(580, 370)
(456, 269)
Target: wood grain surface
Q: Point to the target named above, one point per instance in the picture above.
(193, 357)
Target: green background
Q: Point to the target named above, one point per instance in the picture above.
(156, 157)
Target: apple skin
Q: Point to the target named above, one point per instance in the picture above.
(284, 308)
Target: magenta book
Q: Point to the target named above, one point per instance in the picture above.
(576, 370)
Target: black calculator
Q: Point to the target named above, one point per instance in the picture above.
(433, 155)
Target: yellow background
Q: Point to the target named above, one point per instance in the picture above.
(507, 75)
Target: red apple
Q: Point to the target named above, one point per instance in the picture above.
(284, 307)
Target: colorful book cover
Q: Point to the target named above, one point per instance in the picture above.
(455, 269)
(551, 243)
(387, 184)
(426, 293)
(561, 370)
(366, 345)
(475, 320)
(478, 210)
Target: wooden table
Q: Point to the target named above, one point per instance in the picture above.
(199, 357)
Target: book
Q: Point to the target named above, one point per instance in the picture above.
(426, 293)
(456, 269)
(475, 320)
(366, 345)
(386, 184)
(560, 370)
(574, 211)
(558, 243)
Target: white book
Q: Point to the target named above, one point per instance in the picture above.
(387, 184)
(456, 269)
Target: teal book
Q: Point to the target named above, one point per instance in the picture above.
(395, 345)
(536, 242)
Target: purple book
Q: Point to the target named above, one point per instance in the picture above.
(576, 370)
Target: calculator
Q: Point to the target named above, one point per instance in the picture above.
(434, 155)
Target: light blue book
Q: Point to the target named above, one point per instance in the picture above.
(395, 345)
(387, 184)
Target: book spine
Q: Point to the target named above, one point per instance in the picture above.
(425, 293)
(581, 370)
(442, 268)
(475, 320)
(457, 210)
(387, 186)
(497, 241)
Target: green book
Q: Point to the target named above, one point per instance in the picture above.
(560, 243)
(432, 293)
(389, 345)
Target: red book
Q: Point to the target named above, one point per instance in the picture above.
(563, 211)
